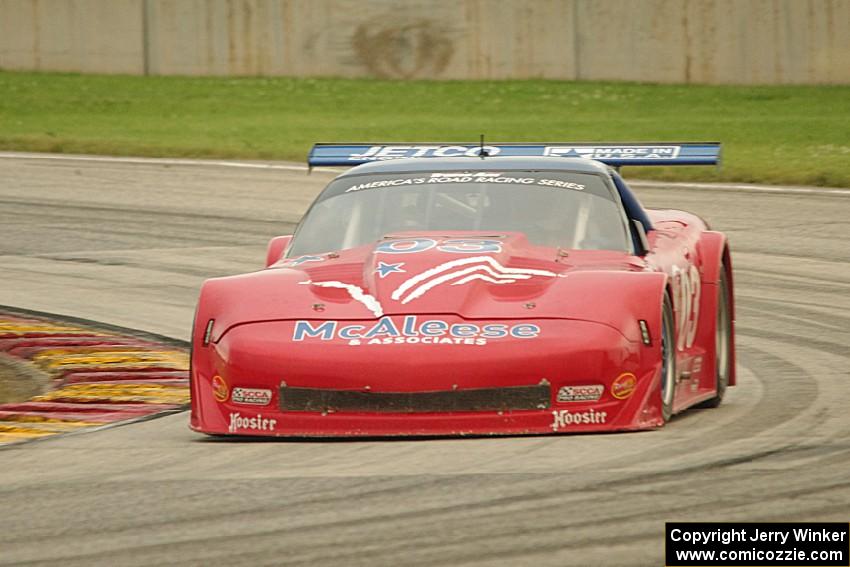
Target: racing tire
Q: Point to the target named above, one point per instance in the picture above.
(668, 360)
(722, 342)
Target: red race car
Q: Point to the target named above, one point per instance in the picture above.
(472, 290)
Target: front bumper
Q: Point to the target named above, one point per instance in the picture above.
(257, 380)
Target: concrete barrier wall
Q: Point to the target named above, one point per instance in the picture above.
(672, 41)
(99, 36)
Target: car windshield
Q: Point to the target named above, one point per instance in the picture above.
(552, 208)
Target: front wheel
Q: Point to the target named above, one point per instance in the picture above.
(668, 360)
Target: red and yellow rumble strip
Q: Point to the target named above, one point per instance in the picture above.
(98, 376)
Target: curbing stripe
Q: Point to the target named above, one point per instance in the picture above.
(114, 376)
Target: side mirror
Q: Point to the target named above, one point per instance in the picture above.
(643, 241)
(276, 249)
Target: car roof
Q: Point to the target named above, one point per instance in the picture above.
(576, 165)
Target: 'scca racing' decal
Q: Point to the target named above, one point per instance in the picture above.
(588, 393)
(410, 330)
(251, 396)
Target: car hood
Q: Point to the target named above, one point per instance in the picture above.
(452, 275)
(473, 276)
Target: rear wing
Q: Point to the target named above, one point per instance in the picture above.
(613, 154)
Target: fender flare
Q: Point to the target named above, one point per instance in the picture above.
(277, 247)
(715, 254)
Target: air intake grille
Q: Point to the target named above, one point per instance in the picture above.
(479, 399)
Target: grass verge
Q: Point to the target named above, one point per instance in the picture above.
(771, 134)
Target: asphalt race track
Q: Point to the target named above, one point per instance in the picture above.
(128, 243)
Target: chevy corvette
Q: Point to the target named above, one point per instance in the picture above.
(452, 289)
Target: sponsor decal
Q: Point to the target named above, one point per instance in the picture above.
(624, 386)
(479, 178)
(219, 388)
(386, 183)
(660, 152)
(377, 153)
(238, 423)
(251, 396)
(588, 393)
(561, 184)
(481, 174)
(565, 418)
(612, 152)
(462, 177)
(410, 330)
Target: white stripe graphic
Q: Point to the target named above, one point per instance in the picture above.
(482, 277)
(450, 272)
(356, 293)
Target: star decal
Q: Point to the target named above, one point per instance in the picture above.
(383, 270)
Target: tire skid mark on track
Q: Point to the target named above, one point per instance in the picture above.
(801, 286)
(810, 307)
(794, 257)
(74, 212)
(791, 279)
(494, 535)
(802, 316)
(260, 512)
(835, 348)
(161, 267)
(240, 231)
(478, 513)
